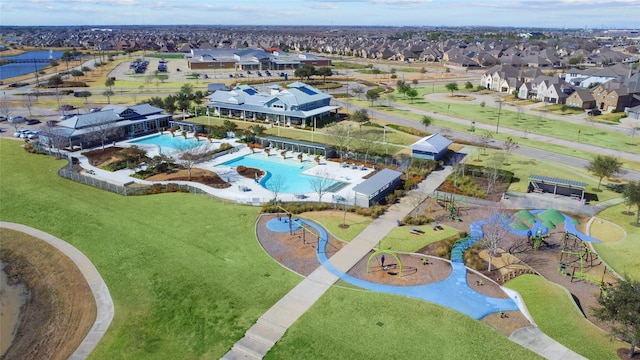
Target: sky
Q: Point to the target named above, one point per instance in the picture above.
(620, 14)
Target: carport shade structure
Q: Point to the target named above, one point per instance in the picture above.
(376, 187)
(539, 183)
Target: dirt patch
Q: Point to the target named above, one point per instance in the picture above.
(99, 156)
(298, 253)
(201, 176)
(60, 308)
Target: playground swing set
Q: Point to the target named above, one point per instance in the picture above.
(448, 201)
(305, 229)
(575, 251)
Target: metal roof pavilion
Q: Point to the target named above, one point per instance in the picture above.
(557, 181)
(376, 182)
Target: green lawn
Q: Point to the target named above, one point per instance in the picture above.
(533, 124)
(356, 324)
(557, 316)
(621, 255)
(401, 239)
(522, 167)
(332, 219)
(184, 272)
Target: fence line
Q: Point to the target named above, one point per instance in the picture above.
(138, 189)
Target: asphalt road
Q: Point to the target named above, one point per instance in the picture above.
(522, 150)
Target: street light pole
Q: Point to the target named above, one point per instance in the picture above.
(499, 111)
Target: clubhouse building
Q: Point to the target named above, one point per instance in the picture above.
(111, 123)
(251, 59)
(297, 105)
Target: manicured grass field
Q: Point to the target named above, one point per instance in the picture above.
(621, 255)
(557, 316)
(332, 219)
(401, 239)
(186, 274)
(523, 167)
(355, 324)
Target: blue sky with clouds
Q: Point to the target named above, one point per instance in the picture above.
(526, 13)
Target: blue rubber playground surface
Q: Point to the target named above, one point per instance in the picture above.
(453, 292)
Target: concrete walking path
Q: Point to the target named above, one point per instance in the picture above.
(104, 304)
(271, 326)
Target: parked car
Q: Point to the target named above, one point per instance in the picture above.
(3, 118)
(67, 107)
(65, 117)
(17, 119)
(33, 121)
(19, 133)
(594, 112)
(92, 110)
(32, 134)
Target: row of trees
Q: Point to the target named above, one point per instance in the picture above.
(307, 71)
(180, 101)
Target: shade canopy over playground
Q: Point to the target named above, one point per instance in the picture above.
(557, 186)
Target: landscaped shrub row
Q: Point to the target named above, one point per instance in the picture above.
(408, 130)
(443, 247)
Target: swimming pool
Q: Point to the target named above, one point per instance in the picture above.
(288, 172)
(168, 143)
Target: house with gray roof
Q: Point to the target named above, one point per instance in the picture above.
(111, 123)
(297, 105)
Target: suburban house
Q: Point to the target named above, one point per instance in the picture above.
(251, 59)
(581, 98)
(595, 76)
(433, 147)
(506, 78)
(617, 95)
(109, 124)
(633, 112)
(551, 89)
(299, 104)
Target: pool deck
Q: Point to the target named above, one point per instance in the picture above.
(243, 190)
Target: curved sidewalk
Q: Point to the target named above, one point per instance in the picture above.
(104, 304)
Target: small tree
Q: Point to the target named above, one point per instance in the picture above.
(632, 197)
(426, 120)
(85, 95)
(76, 73)
(468, 86)
(604, 166)
(109, 83)
(360, 116)
(108, 94)
(372, 95)
(16, 122)
(55, 81)
(619, 306)
(412, 94)
(451, 87)
(338, 136)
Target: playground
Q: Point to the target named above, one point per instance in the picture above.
(548, 243)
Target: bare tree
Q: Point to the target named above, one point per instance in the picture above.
(484, 139)
(509, 146)
(277, 184)
(5, 107)
(16, 122)
(358, 90)
(368, 142)
(495, 232)
(189, 157)
(339, 136)
(104, 131)
(492, 172)
(54, 138)
(320, 182)
(28, 103)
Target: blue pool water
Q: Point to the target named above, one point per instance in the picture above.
(169, 144)
(289, 171)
